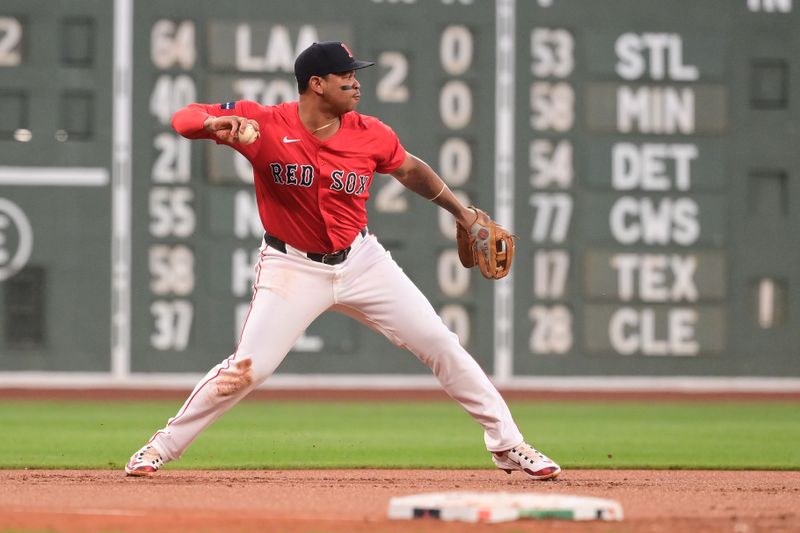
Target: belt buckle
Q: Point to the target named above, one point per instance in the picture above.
(335, 258)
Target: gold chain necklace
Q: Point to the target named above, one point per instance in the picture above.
(326, 125)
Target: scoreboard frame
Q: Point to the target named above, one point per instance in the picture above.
(585, 277)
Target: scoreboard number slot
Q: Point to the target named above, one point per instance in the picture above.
(10, 42)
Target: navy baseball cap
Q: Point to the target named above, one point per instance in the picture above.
(327, 57)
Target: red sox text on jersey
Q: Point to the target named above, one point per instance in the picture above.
(341, 180)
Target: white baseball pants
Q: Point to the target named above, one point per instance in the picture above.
(291, 291)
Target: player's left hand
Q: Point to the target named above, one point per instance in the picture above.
(485, 243)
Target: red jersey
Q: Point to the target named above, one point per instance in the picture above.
(311, 194)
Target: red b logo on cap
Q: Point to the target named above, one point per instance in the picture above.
(347, 49)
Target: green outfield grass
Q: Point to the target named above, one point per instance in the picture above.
(271, 435)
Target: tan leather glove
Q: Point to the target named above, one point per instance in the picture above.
(486, 244)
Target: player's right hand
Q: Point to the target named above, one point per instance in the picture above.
(227, 129)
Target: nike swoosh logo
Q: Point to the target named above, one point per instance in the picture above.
(287, 140)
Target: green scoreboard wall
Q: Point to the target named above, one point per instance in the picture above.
(644, 152)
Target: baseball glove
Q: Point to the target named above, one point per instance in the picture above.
(486, 244)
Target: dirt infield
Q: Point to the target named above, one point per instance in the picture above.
(336, 501)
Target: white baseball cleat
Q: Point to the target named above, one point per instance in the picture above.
(144, 462)
(528, 459)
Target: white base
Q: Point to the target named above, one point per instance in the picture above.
(492, 507)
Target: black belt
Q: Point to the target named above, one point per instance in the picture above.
(329, 259)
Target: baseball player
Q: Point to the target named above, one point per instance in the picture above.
(313, 163)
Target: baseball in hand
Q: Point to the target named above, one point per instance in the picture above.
(249, 135)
